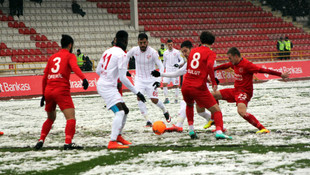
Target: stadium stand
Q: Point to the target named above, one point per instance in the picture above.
(34, 36)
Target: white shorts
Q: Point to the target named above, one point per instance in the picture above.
(146, 88)
(175, 81)
(110, 95)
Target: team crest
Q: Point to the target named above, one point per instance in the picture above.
(174, 54)
(148, 56)
(240, 69)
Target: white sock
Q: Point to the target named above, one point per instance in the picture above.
(191, 127)
(143, 109)
(205, 114)
(117, 124)
(177, 93)
(218, 132)
(161, 105)
(166, 92)
(182, 114)
(123, 123)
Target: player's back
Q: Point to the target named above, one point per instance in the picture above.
(197, 66)
(111, 60)
(58, 69)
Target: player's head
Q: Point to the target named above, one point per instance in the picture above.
(121, 39)
(170, 44)
(67, 42)
(234, 55)
(143, 41)
(186, 47)
(113, 42)
(207, 38)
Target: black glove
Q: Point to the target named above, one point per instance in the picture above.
(42, 101)
(141, 97)
(217, 81)
(156, 85)
(155, 73)
(176, 65)
(85, 84)
(128, 74)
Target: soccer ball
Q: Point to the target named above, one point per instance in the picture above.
(159, 127)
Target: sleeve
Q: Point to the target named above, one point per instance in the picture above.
(122, 68)
(180, 58)
(210, 67)
(252, 68)
(177, 73)
(159, 65)
(223, 66)
(74, 66)
(44, 79)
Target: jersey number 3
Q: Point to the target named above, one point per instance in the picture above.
(57, 60)
(195, 61)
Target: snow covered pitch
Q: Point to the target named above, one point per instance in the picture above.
(282, 107)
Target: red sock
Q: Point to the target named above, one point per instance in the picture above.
(70, 130)
(218, 120)
(190, 114)
(251, 119)
(47, 125)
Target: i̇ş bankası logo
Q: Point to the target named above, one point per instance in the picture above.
(292, 69)
(7, 87)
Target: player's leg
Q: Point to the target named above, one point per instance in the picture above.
(69, 114)
(142, 106)
(188, 96)
(176, 83)
(178, 127)
(46, 127)
(166, 81)
(119, 137)
(250, 118)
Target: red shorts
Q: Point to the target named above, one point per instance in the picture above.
(57, 96)
(230, 95)
(203, 98)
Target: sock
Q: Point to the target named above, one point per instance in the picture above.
(205, 115)
(191, 127)
(182, 114)
(190, 114)
(161, 105)
(123, 123)
(176, 93)
(218, 120)
(117, 124)
(70, 130)
(46, 127)
(253, 121)
(165, 91)
(143, 109)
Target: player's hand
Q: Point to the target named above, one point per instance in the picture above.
(214, 87)
(217, 81)
(285, 75)
(85, 84)
(128, 74)
(155, 73)
(141, 97)
(42, 101)
(156, 85)
(176, 65)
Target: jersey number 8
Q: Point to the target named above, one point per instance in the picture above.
(195, 61)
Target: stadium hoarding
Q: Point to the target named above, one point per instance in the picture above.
(25, 86)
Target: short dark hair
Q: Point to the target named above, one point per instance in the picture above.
(187, 44)
(121, 36)
(207, 38)
(234, 51)
(169, 41)
(66, 40)
(141, 36)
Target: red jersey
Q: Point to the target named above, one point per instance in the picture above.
(244, 71)
(199, 65)
(58, 70)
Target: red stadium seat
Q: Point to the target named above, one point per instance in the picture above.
(21, 25)
(32, 31)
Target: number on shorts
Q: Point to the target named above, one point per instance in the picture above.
(242, 97)
(195, 61)
(155, 93)
(57, 64)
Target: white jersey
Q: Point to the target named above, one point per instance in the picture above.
(145, 63)
(108, 67)
(171, 58)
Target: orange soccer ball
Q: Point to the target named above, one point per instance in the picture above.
(159, 127)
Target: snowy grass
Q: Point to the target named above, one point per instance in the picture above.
(282, 107)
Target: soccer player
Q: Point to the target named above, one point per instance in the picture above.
(194, 89)
(186, 47)
(172, 62)
(145, 59)
(243, 86)
(113, 65)
(56, 91)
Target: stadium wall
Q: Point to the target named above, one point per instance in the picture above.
(31, 86)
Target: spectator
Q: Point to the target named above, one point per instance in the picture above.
(288, 45)
(37, 1)
(88, 65)
(280, 48)
(161, 52)
(76, 8)
(1, 2)
(80, 58)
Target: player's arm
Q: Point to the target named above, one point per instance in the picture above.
(76, 69)
(181, 60)
(210, 67)
(177, 73)
(223, 66)
(165, 60)
(255, 69)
